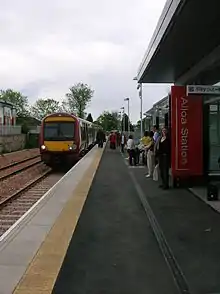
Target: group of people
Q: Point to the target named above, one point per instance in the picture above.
(157, 154)
(154, 147)
(116, 140)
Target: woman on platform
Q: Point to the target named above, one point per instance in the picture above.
(113, 140)
(150, 156)
(145, 141)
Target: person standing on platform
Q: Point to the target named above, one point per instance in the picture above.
(150, 156)
(123, 142)
(164, 154)
(100, 138)
(137, 151)
(145, 140)
(131, 150)
(156, 133)
(113, 140)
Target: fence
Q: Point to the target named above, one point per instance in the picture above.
(9, 130)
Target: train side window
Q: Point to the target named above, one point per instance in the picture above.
(83, 131)
(90, 132)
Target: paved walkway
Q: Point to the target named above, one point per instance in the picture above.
(191, 228)
(129, 227)
(114, 250)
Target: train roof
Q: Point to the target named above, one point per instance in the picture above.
(70, 115)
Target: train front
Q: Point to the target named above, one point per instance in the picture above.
(59, 140)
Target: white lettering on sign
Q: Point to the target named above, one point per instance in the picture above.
(184, 147)
(196, 89)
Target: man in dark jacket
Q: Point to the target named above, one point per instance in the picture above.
(100, 138)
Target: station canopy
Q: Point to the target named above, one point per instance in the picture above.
(185, 47)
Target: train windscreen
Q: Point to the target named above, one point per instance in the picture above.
(58, 131)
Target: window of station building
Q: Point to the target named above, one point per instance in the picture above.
(214, 136)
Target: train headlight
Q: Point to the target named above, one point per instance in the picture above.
(43, 147)
(73, 147)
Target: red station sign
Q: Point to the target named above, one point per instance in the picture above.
(187, 133)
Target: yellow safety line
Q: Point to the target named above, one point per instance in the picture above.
(42, 272)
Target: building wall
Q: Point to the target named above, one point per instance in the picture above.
(12, 143)
(10, 114)
(11, 138)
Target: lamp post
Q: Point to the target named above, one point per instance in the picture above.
(119, 114)
(128, 100)
(123, 122)
(139, 87)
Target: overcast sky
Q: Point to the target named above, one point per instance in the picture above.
(47, 46)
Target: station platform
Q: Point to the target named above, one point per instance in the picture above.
(107, 229)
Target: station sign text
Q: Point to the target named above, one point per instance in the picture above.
(205, 90)
(183, 132)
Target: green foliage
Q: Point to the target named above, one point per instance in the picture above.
(109, 120)
(77, 100)
(43, 107)
(89, 117)
(17, 99)
(65, 107)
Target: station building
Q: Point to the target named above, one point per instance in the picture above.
(7, 114)
(185, 51)
(159, 114)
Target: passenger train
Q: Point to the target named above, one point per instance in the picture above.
(65, 138)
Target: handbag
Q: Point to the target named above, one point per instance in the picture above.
(156, 173)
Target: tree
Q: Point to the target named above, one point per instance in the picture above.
(43, 107)
(89, 117)
(17, 99)
(64, 107)
(109, 120)
(78, 98)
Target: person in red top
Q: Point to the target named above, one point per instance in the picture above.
(113, 140)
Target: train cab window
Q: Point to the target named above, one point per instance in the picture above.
(58, 131)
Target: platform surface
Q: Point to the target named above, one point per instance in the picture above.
(113, 249)
(31, 247)
(191, 228)
(121, 234)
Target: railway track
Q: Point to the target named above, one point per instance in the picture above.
(22, 184)
(16, 204)
(17, 167)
